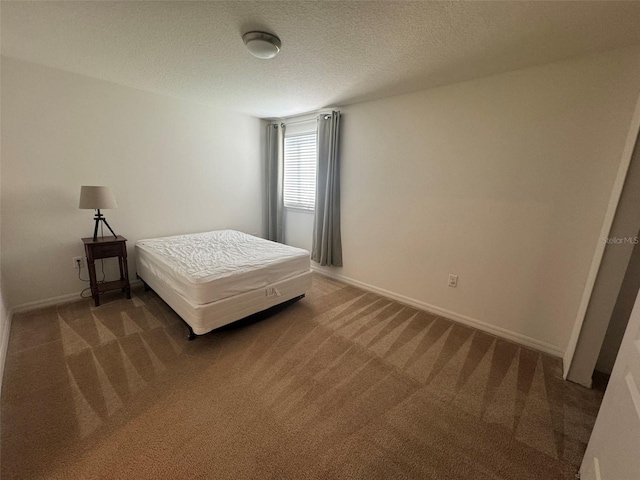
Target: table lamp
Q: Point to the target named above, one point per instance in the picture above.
(96, 198)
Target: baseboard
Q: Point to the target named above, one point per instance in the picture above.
(464, 319)
(4, 346)
(59, 300)
(47, 302)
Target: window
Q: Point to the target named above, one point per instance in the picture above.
(300, 170)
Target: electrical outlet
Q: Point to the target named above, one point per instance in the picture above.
(78, 263)
(453, 280)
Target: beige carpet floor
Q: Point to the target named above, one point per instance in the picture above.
(343, 384)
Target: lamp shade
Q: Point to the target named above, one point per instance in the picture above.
(94, 198)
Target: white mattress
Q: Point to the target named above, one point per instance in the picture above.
(210, 266)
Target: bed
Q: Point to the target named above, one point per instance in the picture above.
(214, 278)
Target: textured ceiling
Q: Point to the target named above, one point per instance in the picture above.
(333, 53)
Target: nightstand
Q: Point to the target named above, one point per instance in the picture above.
(106, 247)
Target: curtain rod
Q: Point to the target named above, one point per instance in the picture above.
(282, 122)
(326, 115)
(300, 121)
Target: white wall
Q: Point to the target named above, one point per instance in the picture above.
(174, 167)
(503, 181)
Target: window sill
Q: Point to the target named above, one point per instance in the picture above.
(301, 210)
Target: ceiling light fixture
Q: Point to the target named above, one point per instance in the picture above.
(262, 44)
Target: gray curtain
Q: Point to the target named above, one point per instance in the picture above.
(275, 172)
(327, 243)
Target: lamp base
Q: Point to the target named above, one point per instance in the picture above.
(100, 218)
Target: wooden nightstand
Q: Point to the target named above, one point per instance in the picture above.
(106, 247)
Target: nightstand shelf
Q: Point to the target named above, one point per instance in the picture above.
(107, 247)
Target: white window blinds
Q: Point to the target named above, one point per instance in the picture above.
(300, 170)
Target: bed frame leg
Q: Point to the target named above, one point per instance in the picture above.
(146, 287)
(192, 335)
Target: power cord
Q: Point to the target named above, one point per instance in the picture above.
(88, 280)
(88, 289)
(79, 265)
